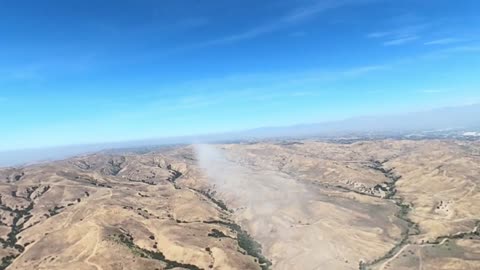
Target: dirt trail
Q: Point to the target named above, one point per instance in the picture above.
(394, 257)
(94, 251)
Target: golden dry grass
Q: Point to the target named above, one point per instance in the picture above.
(390, 204)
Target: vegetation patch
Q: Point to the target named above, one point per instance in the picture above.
(402, 214)
(174, 175)
(247, 243)
(127, 240)
(217, 234)
(6, 261)
(210, 195)
(56, 210)
(116, 165)
(20, 217)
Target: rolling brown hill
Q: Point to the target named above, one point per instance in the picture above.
(385, 204)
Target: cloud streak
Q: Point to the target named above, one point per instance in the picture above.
(443, 41)
(296, 16)
(400, 41)
(262, 87)
(399, 36)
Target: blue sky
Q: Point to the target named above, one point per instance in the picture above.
(99, 71)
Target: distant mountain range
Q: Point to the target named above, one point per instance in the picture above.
(463, 118)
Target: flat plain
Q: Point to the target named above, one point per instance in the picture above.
(306, 204)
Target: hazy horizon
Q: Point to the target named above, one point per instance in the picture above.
(441, 118)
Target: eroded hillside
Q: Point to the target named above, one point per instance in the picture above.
(293, 205)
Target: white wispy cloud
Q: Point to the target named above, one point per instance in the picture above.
(400, 41)
(401, 31)
(296, 16)
(277, 85)
(306, 12)
(267, 86)
(249, 88)
(378, 34)
(401, 35)
(443, 41)
(251, 33)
